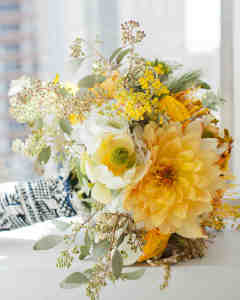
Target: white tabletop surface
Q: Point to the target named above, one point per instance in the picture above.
(29, 275)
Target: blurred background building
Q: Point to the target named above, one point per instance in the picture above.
(18, 55)
(35, 34)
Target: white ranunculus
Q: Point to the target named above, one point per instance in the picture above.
(101, 173)
(91, 131)
(101, 193)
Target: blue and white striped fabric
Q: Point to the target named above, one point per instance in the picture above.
(35, 201)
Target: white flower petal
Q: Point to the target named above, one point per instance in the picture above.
(101, 193)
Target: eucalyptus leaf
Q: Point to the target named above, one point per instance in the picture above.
(88, 273)
(115, 53)
(80, 176)
(73, 65)
(117, 264)
(100, 249)
(74, 280)
(132, 254)
(48, 242)
(63, 91)
(121, 56)
(134, 275)
(87, 240)
(65, 126)
(116, 67)
(121, 239)
(60, 225)
(39, 123)
(84, 252)
(90, 80)
(44, 155)
(204, 85)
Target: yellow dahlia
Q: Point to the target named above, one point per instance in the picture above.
(180, 183)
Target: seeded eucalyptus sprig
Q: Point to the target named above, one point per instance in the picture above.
(104, 234)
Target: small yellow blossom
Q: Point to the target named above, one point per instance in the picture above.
(159, 69)
(156, 84)
(71, 87)
(56, 79)
(74, 119)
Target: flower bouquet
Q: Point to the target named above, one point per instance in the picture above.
(139, 144)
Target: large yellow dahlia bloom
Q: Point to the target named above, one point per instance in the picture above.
(181, 181)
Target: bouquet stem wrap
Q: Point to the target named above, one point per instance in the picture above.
(35, 201)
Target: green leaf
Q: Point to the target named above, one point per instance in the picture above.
(116, 67)
(115, 53)
(79, 173)
(84, 252)
(87, 240)
(100, 249)
(134, 275)
(117, 264)
(74, 280)
(122, 55)
(74, 65)
(88, 272)
(184, 82)
(121, 239)
(48, 242)
(44, 155)
(63, 91)
(60, 225)
(39, 123)
(90, 80)
(204, 85)
(65, 126)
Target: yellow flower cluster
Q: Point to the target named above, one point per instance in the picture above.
(151, 83)
(75, 118)
(153, 98)
(217, 219)
(135, 104)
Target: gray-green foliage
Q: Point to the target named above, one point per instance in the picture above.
(118, 55)
(74, 280)
(44, 155)
(212, 101)
(85, 249)
(184, 82)
(65, 126)
(101, 248)
(133, 275)
(117, 264)
(60, 225)
(39, 124)
(90, 80)
(48, 242)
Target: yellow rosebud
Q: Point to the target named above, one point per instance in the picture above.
(155, 245)
(174, 109)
